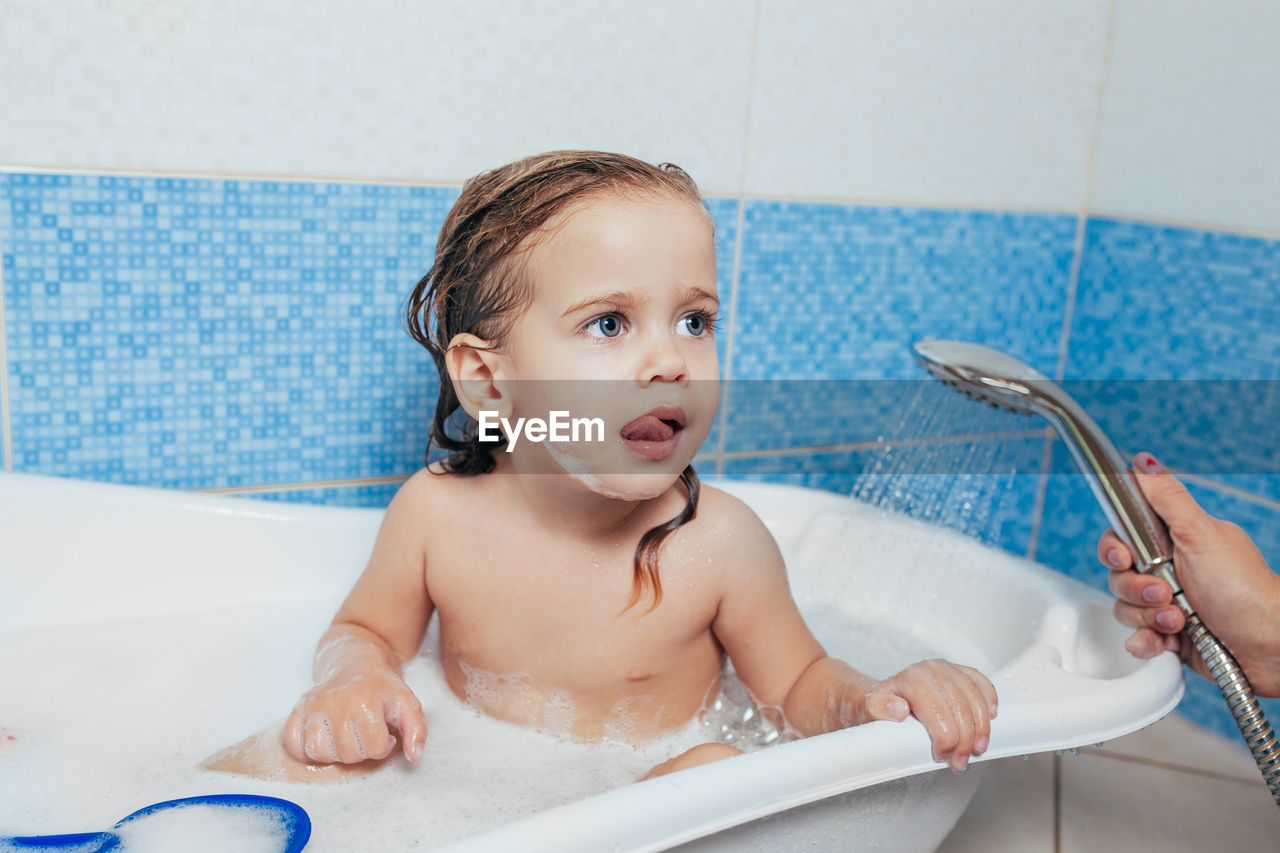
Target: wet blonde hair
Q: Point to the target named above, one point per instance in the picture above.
(477, 285)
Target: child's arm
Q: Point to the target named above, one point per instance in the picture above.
(784, 666)
(359, 695)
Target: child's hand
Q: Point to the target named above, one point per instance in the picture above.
(955, 703)
(350, 716)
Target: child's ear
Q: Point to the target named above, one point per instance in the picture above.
(475, 367)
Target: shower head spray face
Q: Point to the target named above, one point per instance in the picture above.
(983, 373)
(1005, 382)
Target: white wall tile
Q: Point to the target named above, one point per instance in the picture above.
(435, 90)
(927, 101)
(1190, 129)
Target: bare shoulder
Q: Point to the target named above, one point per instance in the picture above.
(735, 534)
(431, 490)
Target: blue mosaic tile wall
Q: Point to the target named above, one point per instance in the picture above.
(835, 291)
(197, 333)
(1158, 302)
(207, 333)
(1185, 327)
(997, 508)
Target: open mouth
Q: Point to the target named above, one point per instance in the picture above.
(655, 434)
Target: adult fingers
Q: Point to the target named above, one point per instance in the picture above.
(1138, 589)
(1113, 553)
(1165, 620)
(1145, 643)
(1170, 499)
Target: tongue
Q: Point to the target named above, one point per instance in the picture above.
(647, 428)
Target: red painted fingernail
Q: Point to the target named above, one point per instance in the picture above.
(1149, 464)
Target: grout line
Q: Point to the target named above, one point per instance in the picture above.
(1057, 804)
(1234, 491)
(1082, 214)
(702, 458)
(804, 450)
(1042, 495)
(914, 204)
(1073, 282)
(225, 176)
(1069, 300)
(6, 424)
(1249, 781)
(1188, 224)
(289, 487)
(6, 428)
(735, 277)
(735, 286)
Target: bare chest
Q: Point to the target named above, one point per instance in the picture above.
(529, 625)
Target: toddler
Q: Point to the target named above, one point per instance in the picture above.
(584, 584)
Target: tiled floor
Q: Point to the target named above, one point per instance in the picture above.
(1170, 787)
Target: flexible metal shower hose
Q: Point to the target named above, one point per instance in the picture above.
(1226, 673)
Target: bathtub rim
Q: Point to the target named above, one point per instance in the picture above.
(798, 773)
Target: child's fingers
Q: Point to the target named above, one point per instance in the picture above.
(987, 690)
(369, 737)
(954, 703)
(350, 735)
(885, 706)
(941, 715)
(968, 710)
(956, 710)
(405, 713)
(292, 736)
(318, 741)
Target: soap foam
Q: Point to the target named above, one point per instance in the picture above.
(127, 710)
(130, 709)
(203, 828)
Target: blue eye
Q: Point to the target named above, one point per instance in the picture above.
(698, 323)
(605, 326)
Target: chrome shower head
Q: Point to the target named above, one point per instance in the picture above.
(986, 375)
(1005, 382)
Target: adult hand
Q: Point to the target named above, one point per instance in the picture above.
(1223, 574)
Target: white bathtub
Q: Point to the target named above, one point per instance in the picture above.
(141, 630)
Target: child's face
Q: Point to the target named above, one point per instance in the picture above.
(623, 308)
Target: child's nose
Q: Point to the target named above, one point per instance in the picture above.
(664, 361)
